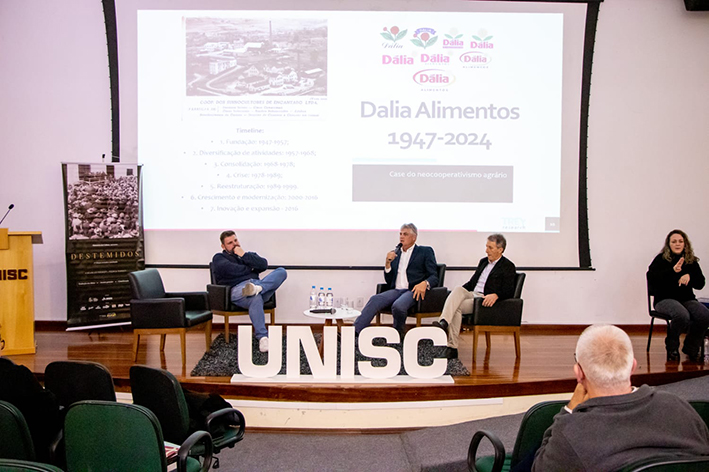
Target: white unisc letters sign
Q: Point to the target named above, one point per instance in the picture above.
(325, 367)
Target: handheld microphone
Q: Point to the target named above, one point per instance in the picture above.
(330, 311)
(397, 250)
(12, 205)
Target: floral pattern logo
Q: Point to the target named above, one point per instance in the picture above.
(393, 34)
(424, 37)
(453, 34)
(482, 36)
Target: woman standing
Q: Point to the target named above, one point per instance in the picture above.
(673, 275)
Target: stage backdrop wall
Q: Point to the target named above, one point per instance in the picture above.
(648, 155)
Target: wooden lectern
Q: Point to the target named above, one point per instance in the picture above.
(17, 292)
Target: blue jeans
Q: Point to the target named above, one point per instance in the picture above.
(690, 316)
(254, 304)
(400, 300)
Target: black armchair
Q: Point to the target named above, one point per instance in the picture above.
(430, 307)
(160, 392)
(154, 311)
(221, 305)
(505, 316)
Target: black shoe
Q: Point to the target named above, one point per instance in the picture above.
(451, 353)
(673, 355)
(697, 359)
(694, 356)
(443, 324)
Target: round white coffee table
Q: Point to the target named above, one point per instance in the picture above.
(338, 317)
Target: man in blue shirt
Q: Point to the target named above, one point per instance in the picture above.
(240, 269)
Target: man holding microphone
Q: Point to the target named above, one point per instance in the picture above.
(409, 271)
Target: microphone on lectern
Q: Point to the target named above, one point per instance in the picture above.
(12, 205)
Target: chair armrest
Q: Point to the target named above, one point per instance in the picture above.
(502, 313)
(193, 300)
(157, 313)
(230, 416)
(56, 447)
(382, 288)
(218, 297)
(434, 300)
(270, 304)
(496, 444)
(184, 451)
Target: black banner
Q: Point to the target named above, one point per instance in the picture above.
(104, 241)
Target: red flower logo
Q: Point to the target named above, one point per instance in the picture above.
(424, 37)
(393, 34)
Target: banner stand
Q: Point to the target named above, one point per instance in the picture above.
(104, 242)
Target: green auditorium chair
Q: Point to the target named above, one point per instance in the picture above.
(160, 392)
(74, 381)
(15, 440)
(529, 437)
(701, 407)
(120, 437)
(13, 465)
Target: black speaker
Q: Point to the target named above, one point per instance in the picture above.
(696, 5)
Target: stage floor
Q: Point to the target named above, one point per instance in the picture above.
(545, 367)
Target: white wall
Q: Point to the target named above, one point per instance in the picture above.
(647, 167)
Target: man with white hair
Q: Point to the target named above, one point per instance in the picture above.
(410, 271)
(608, 423)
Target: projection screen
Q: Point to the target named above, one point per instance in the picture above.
(316, 128)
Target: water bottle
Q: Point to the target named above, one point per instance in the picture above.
(330, 298)
(321, 298)
(313, 298)
(706, 350)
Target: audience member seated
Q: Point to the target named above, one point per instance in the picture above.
(40, 408)
(673, 275)
(409, 271)
(240, 269)
(608, 423)
(493, 280)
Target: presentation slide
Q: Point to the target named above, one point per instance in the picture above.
(315, 128)
(322, 120)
